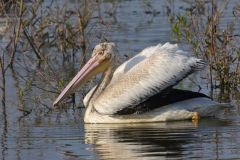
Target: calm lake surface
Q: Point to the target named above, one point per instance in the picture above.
(61, 133)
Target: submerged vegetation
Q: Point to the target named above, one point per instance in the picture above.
(40, 39)
(212, 37)
(45, 43)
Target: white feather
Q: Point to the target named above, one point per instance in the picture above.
(129, 64)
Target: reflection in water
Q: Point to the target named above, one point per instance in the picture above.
(149, 141)
(140, 140)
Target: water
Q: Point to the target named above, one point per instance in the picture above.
(71, 139)
(61, 133)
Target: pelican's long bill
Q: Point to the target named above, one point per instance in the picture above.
(94, 66)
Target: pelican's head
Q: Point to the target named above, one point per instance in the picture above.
(102, 58)
(104, 54)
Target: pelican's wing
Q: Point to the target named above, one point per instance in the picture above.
(126, 66)
(162, 69)
(129, 64)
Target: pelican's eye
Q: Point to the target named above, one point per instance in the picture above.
(100, 53)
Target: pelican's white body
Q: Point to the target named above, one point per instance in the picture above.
(182, 110)
(152, 71)
(164, 66)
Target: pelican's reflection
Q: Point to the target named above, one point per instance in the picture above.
(148, 140)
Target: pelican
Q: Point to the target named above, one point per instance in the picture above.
(141, 89)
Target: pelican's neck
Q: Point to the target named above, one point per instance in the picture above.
(105, 80)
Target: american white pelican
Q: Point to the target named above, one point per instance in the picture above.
(140, 90)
